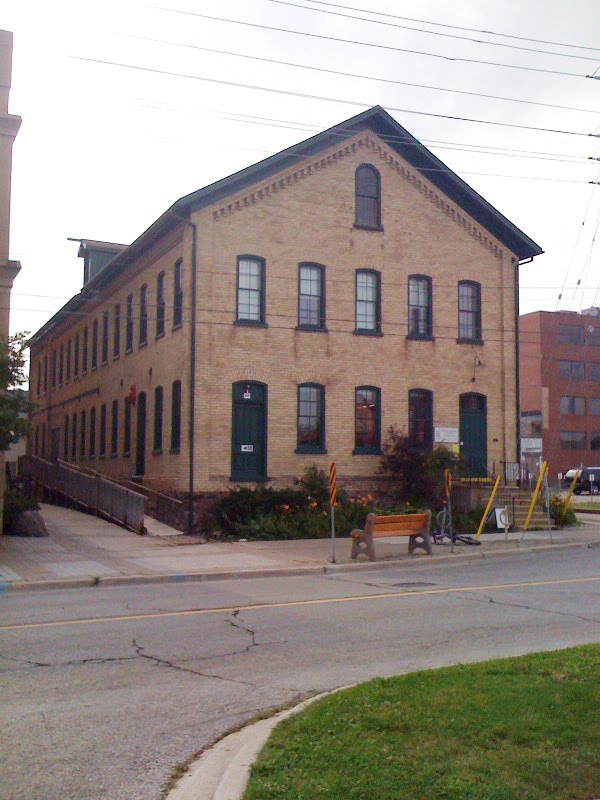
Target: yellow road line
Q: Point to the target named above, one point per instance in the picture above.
(292, 603)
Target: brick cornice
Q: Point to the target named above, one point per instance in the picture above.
(365, 141)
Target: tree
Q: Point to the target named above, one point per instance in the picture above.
(14, 406)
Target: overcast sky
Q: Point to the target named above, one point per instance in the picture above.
(103, 150)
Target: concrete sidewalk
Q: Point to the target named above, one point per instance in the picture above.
(85, 550)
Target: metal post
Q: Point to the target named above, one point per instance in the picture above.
(332, 496)
(547, 492)
(332, 527)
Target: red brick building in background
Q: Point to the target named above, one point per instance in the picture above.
(560, 389)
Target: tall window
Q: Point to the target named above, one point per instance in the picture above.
(311, 418)
(114, 428)
(68, 361)
(572, 405)
(103, 429)
(176, 416)
(66, 439)
(74, 437)
(61, 364)
(127, 428)
(572, 370)
(420, 418)
(311, 296)
(45, 373)
(84, 351)
(117, 331)
(419, 306)
(129, 324)
(367, 420)
(160, 304)
(368, 303)
(43, 440)
(53, 369)
(39, 378)
(143, 315)
(105, 337)
(92, 432)
(95, 344)
(82, 435)
(367, 191)
(250, 290)
(469, 311)
(158, 419)
(76, 356)
(177, 295)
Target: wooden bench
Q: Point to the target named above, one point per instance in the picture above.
(415, 526)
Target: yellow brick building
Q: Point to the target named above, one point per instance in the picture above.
(288, 315)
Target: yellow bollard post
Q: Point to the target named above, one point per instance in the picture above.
(487, 508)
(535, 494)
(570, 493)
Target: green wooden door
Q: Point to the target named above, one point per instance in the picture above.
(249, 432)
(473, 434)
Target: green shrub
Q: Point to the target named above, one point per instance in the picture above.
(556, 512)
(14, 504)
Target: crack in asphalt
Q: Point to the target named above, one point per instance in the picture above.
(139, 649)
(236, 622)
(71, 663)
(489, 599)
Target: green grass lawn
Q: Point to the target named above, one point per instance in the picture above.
(524, 728)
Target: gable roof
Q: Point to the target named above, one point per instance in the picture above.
(375, 119)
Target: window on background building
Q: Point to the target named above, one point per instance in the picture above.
(570, 334)
(66, 439)
(594, 406)
(95, 344)
(572, 405)
(594, 371)
(420, 418)
(92, 432)
(177, 295)
(84, 351)
(176, 416)
(39, 378)
(593, 335)
(103, 429)
(53, 369)
(114, 428)
(367, 420)
(117, 331)
(45, 373)
(127, 428)
(311, 296)
(572, 370)
(573, 440)
(76, 357)
(74, 437)
(160, 304)
(158, 419)
(61, 364)
(595, 441)
(143, 315)
(129, 324)
(469, 311)
(311, 418)
(367, 197)
(419, 306)
(82, 435)
(368, 301)
(68, 361)
(43, 440)
(105, 337)
(250, 290)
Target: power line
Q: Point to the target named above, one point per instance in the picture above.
(371, 44)
(432, 33)
(454, 27)
(273, 90)
(360, 76)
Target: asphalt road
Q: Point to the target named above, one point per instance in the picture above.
(103, 691)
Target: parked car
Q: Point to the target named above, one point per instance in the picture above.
(583, 483)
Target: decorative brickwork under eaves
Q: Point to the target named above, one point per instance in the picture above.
(367, 142)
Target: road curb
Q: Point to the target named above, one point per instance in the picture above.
(276, 572)
(222, 771)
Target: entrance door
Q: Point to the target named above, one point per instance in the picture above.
(54, 444)
(140, 436)
(249, 432)
(473, 433)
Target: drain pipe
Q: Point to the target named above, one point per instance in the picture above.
(517, 264)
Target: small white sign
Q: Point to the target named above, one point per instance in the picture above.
(247, 448)
(449, 435)
(247, 396)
